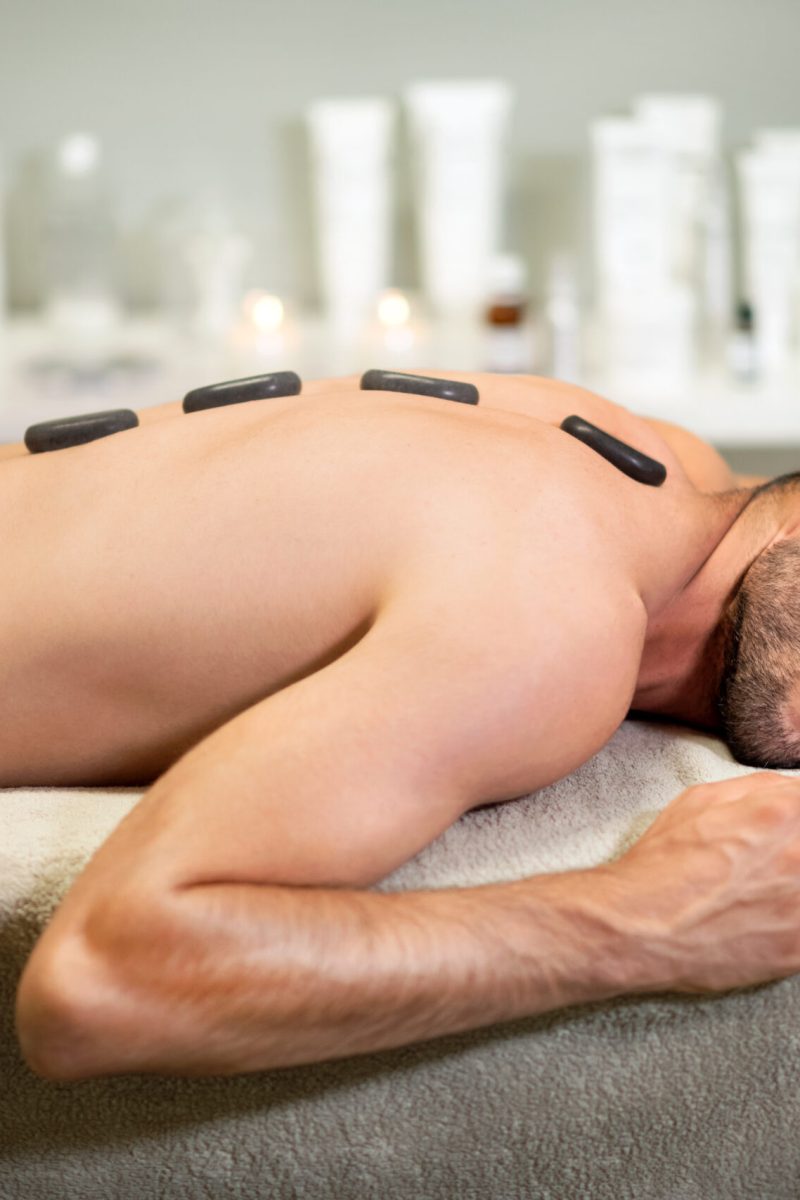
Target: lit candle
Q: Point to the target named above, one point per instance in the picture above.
(264, 333)
(396, 333)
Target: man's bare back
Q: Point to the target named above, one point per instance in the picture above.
(162, 580)
(330, 627)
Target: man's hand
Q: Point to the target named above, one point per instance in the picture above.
(713, 886)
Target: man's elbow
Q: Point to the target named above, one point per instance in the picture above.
(78, 1014)
(54, 1025)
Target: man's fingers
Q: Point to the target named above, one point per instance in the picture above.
(726, 791)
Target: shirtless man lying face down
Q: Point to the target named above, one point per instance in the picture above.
(324, 627)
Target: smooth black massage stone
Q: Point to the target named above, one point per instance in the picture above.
(75, 431)
(625, 458)
(419, 385)
(238, 391)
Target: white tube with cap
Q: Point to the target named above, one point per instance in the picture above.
(351, 144)
(633, 191)
(770, 193)
(458, 134)
(80, 243)
(687, 127)
(646, 304)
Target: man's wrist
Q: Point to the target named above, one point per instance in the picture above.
(634, 929)
(593, 915)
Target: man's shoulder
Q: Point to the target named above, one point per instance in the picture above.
(705, 466)
(543, 675)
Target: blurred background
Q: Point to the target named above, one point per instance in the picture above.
(606, 193)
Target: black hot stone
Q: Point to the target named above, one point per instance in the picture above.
(75, 431)
(419, 385)
(238, 391)
(631, 462)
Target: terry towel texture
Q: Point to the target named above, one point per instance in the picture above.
(654, 1098)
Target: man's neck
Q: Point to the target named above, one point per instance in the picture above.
(682, 658)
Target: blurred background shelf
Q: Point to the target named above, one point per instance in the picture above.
(613, 191)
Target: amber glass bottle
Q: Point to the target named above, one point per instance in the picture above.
(509, 345)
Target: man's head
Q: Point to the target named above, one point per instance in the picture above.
(758, 700)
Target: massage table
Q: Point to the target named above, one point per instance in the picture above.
(660, 1097)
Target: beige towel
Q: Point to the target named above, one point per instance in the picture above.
(664, 1097)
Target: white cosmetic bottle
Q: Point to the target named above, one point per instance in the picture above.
(458, 134)
(687, 128)
(351, 145)
(80, 244)
(563, 320)
(645, 318)
(769, 179)
(633, 192)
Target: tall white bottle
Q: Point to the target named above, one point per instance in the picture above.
(458, 140)
(351, 148)
(80, 239)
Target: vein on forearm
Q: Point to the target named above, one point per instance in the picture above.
(258, 976)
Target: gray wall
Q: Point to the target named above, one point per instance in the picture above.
(205, 98)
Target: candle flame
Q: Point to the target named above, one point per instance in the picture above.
(393, 309)
(264, 310)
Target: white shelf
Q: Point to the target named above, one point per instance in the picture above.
(727, 414)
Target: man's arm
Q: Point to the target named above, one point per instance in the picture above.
(220, 928)
(245, 978)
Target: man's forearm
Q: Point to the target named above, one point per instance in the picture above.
(258, 977)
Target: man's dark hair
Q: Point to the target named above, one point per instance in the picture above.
(760, 633)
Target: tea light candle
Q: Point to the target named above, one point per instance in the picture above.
(396, 334)
(266, 316)
(264, 335)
